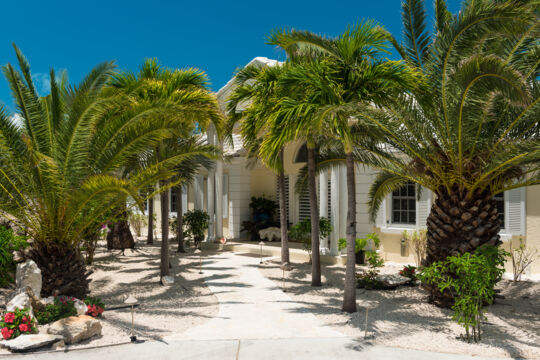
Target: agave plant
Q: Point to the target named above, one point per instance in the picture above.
(475, 132)
(62, 158)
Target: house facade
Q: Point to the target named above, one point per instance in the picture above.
(226, 190)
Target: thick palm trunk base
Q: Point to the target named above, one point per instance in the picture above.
(63, 270)
(459, 223)
(120, 237)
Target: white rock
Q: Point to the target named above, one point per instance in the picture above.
(270, 233)
(20, 301)
(167, 280)
(75, 328)
(393, 280)
(80, 306)
(29, 274)
(48, 300)
(58, 345)
(28, 342)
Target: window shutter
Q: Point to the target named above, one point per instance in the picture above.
(423, 207)
(380, 221)
(516, 211)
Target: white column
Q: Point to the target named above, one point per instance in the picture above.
(323, 206)
(219, 200)
(198, 192)
(334, 203)
(157, 212)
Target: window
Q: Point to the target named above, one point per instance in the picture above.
(174, 208)
(404, 205)
(301, 155)
(499, 199)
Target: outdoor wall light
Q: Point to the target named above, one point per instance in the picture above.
(132, 302)
(199, 252)
(261, 244)
(285, 267)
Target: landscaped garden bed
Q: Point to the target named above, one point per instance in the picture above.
(162, 311)
(404, 318)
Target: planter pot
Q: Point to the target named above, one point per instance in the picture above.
(360, 257)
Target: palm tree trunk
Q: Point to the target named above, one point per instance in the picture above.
(150, 238)
(179, 220)
(459, 222)
(283, 213)
(349, 299)
(164, 231)
(314, 213)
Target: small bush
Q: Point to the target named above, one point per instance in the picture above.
(196, 222)
(15, 323)
(9, 242)
(62, 307)
(138, 221)
(409, 271)
(522, 257)
(301, 232)
(95, 306)
(471, 279)
(418, 241)
(368, 280)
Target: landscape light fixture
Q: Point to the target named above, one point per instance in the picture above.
(261, 244)
(285, 267)
(132, 302)
(198, 251)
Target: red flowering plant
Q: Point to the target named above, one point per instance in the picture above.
(408, 271)
(95, 306)
(15, 323)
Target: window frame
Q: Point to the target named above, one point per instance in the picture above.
(408, 210)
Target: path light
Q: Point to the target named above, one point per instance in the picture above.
(285, 267)
(132, 302)
(261, 243)
(200, 260)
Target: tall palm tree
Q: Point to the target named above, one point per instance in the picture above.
(187, 90)
(474, 132)
(258, 91)
(61, 160)
(361, 77)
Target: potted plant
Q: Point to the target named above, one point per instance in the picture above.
(360, 246)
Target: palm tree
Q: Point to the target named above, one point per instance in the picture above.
(61, 161)
(258, 86)
(187, 90)
(474, 132)
(360, 77)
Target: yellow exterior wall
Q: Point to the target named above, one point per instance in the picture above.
(263, 183)
(533, 223)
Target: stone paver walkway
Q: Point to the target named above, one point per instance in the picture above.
(251, 306)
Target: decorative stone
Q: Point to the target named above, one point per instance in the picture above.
(80, 306)
(75, 328)
(58, 345)
(392, 281)
(29, 274)
(270, 234)
(31, 341)
(20, 301)
(167, 280)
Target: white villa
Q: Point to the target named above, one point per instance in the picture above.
(225, 193)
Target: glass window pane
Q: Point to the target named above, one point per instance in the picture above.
(403, 191)
(404, 204)
(412, 217)
(395, 204)
(411, 189)
(397, 217)
(412, 204)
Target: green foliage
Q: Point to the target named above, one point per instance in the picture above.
(9, 242)
(409, 271)
(368, 280)
(417, 239)
(138, 221)
(62, 307)
(196, 222)
(17, 322)
(470, 278)
(263, 212)
(361, 243)
(301, 232)
(95, 305)
(374, 260)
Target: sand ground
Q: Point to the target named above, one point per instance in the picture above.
(404, 318)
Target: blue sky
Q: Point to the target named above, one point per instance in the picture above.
(216, 36)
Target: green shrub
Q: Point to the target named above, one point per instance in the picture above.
(15, 323)
(138, 221)
(301, 232)
(196, 222)
(9, 242)
(470, 278)
(368, 280)
(62, 307)
(95, 306)
(361, 243)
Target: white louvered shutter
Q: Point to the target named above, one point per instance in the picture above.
(423, 207)
(515, 211)
(380, 221)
